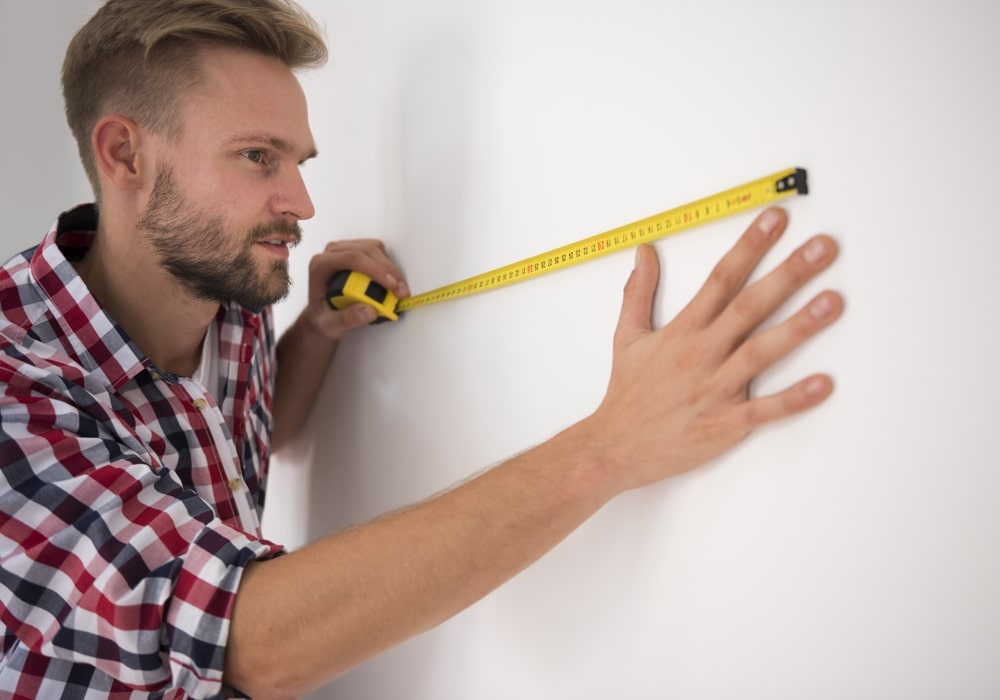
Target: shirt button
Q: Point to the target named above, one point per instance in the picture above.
(200, 404)
(235, 484)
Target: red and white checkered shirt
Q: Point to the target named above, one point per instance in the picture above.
(130, 498)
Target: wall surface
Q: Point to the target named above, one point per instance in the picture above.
(848, 553)
(41, 174)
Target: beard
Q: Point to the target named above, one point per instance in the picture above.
(194, 247)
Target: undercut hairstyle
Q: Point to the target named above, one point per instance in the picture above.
(138, 58)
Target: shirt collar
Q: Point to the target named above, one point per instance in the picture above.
(100, 344)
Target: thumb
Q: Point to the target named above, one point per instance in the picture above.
(336, 324)
(637, 302)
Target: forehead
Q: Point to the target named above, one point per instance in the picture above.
(243, 92)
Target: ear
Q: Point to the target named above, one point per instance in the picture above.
(116, 141)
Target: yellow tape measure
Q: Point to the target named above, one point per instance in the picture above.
(348, 287)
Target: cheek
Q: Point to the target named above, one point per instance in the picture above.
(238, 195)
(243, 202)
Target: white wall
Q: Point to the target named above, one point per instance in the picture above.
(41, 174)
(849, 553)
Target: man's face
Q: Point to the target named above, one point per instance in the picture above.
(224, 209)
(203, 252)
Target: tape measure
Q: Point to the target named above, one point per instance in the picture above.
(350, 287)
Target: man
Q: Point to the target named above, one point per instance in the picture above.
(143, 390)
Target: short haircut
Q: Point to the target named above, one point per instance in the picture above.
(138, 57)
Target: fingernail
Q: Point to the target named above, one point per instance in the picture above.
(815, 251)
(821, 307)
(769, 221)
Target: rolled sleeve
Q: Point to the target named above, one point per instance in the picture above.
(197, 622)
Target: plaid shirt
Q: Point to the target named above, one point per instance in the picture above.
(130, 498)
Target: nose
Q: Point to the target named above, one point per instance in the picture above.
(293, 199)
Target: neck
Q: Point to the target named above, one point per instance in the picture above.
(164, 320)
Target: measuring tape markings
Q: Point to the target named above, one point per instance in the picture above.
(356, 287)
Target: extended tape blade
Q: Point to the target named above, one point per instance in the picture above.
(732, 201)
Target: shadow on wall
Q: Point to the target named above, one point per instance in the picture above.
(357, 472)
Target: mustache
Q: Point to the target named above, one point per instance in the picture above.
(263, 232)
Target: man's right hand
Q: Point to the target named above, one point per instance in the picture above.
(679, 395)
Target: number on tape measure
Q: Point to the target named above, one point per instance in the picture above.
(351, 287)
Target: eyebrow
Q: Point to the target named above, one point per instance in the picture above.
(275, 142)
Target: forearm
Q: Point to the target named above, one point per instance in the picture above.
(344, 599)
(304, 355)
(677, 398)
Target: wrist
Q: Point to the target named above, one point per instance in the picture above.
(592, 474)
(309, 337)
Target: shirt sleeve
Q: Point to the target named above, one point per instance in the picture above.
(107, 560)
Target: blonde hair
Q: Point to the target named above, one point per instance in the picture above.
(137, 57)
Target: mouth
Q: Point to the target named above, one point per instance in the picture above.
(277, 246)
(277, 239)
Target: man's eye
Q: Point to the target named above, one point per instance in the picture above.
(254, 156)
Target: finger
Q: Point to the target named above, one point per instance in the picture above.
(756, 303)
(802, 396)
(637, 301)
(735, 267)
(366, 255)
(335, 324)
(370, 260)
(764, 349)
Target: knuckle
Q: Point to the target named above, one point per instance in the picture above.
(751, 416)
(796, 271)
(747, 305)
(788, 277)
(723, 276)
(756, 354)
